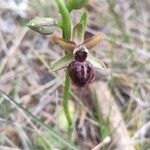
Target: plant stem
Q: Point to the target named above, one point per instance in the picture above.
(66, 19)
(66, 98)
(67, 32)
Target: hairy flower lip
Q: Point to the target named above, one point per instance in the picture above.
(81, 73)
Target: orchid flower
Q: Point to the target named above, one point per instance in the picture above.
(78, 60)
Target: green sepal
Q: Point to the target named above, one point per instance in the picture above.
(84, 19)
(44, 26)
(63, 62)
(96, 62)
(78, 33)
(79, 29)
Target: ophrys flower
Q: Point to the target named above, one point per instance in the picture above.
(79, 62)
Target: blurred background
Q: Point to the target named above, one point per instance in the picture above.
(117, 117)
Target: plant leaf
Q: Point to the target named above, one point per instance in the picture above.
(96, 62)
(44, 26)
(93, 41)
(63, 62)
(65, 44)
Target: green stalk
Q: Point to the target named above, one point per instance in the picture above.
(66, 19)
(67, 32)
(66, 98)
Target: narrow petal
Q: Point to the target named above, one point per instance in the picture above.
(93, 41)
(63, 62)
(96, 62)
(65, 44)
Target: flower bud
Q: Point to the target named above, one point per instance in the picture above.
(44, 26)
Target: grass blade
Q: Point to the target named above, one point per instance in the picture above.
(51, 131)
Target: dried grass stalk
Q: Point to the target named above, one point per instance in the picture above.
(109, 107)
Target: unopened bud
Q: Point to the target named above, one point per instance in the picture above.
(44, 26)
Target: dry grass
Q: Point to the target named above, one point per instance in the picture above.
(24, 75)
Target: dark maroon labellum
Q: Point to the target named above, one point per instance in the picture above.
(81, 73)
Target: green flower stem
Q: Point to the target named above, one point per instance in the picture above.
(67, 32)
(66, 19)
(66, 98)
